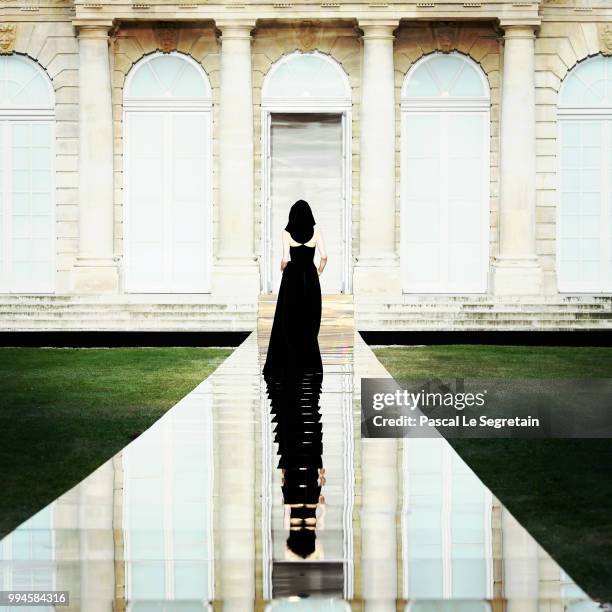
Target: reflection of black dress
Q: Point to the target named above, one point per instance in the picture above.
(294, 346)
(294, 374)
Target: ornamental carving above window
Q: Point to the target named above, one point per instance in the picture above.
(7, 38)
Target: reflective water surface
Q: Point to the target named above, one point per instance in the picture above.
(196, 514)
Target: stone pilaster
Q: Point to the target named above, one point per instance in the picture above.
(379, 529)
(520, 566)
(516, 269)
(236, 271)
(95, 268)
(377, 269)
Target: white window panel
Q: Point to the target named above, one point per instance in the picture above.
(27, 260)
(584, 216)
(445, 201)
(584, 205)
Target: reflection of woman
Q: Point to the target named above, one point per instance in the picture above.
(293, 342)
(294, 376)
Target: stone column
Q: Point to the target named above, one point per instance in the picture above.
(96, 553)
(236, 403)
(377, 268)
(236, 270)
(379, 537)
(95, 268)
(517, 270)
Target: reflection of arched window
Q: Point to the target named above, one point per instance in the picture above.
(306, 78)
(445, 176)
(577, 600)
(167, 175)
(27, 255)
(584, 219)
(29, 553)
(168, 507)
(446, 528)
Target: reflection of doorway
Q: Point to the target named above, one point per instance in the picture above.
(330, 577)
(306, 161)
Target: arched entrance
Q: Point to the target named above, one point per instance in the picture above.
(306, 123)
(167, 176)
(445, 176)
(27, 210)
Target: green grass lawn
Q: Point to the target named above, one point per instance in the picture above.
(560, 490)
(66, 411)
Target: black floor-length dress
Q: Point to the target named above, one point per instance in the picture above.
(294, 344)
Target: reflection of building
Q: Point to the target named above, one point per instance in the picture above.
(187, 515)
(150, 150)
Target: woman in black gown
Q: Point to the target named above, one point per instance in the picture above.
(294, 373)
(294, 345)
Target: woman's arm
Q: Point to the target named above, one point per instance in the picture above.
(322, 251)
(285, 259)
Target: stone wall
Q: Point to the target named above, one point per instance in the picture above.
(559, 45)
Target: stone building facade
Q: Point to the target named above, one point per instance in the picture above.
(458, 155)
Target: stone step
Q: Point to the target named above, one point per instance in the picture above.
(129, 307)
(126, 314)
(128, 325)
(218, 323)
(450, 308)
(485, 316)
(450, 324)
(474, 298)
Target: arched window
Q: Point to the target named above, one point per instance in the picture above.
(443, 75)
(27, 253)
(167, 175)
(166, 77)
(445, 176)
(584, 217)
(306, 78)
(588, 85)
